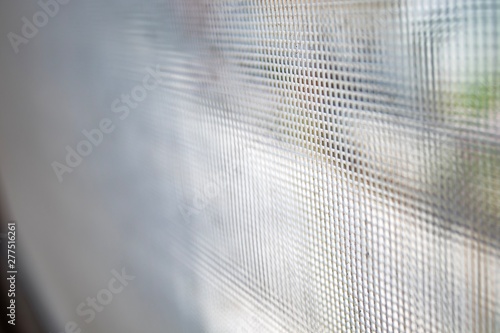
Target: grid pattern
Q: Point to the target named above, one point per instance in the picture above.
(336, 164)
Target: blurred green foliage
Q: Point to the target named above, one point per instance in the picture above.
(479, 96)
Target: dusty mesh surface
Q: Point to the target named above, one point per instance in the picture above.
(362, 143)
(305, 166)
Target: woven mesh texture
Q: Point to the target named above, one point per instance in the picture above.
(336, 164)
(301, 167)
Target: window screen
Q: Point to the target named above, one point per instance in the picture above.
(337, 164)
(297, 166)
